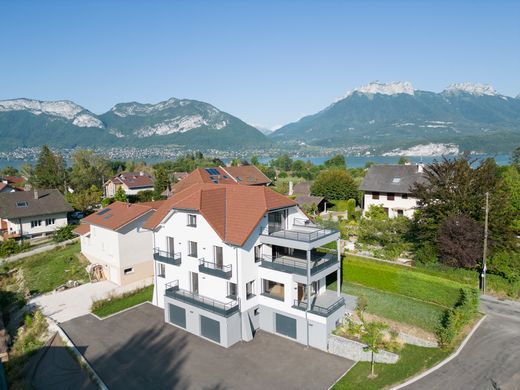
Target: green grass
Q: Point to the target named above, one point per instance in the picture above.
(397, 307)
(412, 360)
(401, 280)
(46, 271)
(105, 307)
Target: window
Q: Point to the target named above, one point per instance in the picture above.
(192, 248)
(375, 195)
(50, 221)
(257, 311)
(258, 253)
(161, 270)
(218, 257)
(232, 290)
(274, 289)
(36, 223)
(400, 213)
(22, 204)
(192, 220)
(250, 289)
(128, 271)
(390, 196)
(404, 196)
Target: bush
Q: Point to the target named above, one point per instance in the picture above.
(426, 254)
(455, 318)
(106, 201)
(64, 233)
(11, 247)
(505, 264)
(401, 280)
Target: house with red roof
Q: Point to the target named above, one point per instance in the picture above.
(232, 259)
(131, 182)
(115, 243)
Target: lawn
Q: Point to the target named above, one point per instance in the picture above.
(46, 271)
(412, 360)
(398, 307)
(105, 307)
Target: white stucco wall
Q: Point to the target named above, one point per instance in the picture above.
(407, 205)
(60, 220)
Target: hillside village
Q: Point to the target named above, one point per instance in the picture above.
(381, 265)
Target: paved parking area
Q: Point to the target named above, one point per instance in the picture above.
(137, 350)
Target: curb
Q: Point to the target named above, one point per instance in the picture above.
(445, 361)
(341, 377)
(119, 312)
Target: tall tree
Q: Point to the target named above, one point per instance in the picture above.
(161, 182)
(120, 195)
(49, 171)
(459, 242)
(337, 161)
(515, 158)
(88, 169)
(9, 171)
(334, 184)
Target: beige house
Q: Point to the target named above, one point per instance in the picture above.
(113, 240)
(131, 182)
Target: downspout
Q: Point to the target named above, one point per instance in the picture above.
(308, 293)
(155, 271)
(21, 229)
(238, 294)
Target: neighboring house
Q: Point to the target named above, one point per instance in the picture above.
(6, 187)
(178, 176)
(248, 175)
(390, 186)
(131, 182)
(114, 240)
(232, 259)
(32, 213)
(301, 189)
(302, 196)
(11, 183)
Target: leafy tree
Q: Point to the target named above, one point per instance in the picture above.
(9, 171)
(86, 199)
(235, 162)
(161, 183)
(460, 242)
(254, 160)
(515, 158)
(402, 160)
(49, 171)
(88, 169)
(337, 161)
(268, 171)
(146, 196)
(63, 234)
(120, 195)
(334, 184)
(511, 183)
(373, 337)
(283, 163)
(351, 208)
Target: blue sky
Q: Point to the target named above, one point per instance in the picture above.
(267, 62)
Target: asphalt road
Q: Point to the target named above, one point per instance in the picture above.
(491, 358)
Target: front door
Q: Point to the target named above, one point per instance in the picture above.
(194, 282)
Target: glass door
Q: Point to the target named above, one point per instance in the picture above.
(219, 258)
(170, 246)
(194, 282)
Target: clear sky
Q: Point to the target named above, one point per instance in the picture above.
(267, 62)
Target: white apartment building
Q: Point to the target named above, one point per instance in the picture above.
(230, 260)
(390, 186)
(113, 239)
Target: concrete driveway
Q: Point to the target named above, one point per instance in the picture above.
(491, 358)
(137, 350)
(75, 302)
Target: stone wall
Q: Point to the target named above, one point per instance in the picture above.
(353, 350)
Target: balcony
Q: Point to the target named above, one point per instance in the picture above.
(296, 265)
(322, 305)
(225, 309)
(302, 235)
(167, 257)
(222, 271)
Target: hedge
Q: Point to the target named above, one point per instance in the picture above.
(401, 280)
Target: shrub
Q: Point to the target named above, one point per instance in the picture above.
(505, 264)
(63, 234)
(426, 254)
(334, 184)
(106, 201)
(455, 318)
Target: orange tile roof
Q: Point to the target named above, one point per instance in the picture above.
(82, 229)
(247, 175)
(233, 211)
(117, 215)
(134, 180)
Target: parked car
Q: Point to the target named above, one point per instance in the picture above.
(77, 215)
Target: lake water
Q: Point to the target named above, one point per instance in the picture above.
(352, 161)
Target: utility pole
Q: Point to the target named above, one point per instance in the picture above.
(484, 255)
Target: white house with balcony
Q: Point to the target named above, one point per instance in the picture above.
(390, 186)
(230, 260)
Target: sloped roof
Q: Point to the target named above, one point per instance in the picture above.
(303, 188)
(12, 179)
(233, 211)
(23, 204)
(392, 178)
(247, 175)
(305, 200)
(82, 229)
(117, 215)
(134, 179)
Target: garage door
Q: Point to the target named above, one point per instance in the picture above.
(177, 315)
(210, 328)
(286, 326)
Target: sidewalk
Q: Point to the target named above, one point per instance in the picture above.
(75, 302)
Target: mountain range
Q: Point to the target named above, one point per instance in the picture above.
(383, 118)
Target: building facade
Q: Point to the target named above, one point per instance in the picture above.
(131, 182)
(230, 260)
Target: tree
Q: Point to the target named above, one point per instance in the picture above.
(86, 199)
(337, 161)
(63, 234)
(161, 183)
(283, 163)
(511, 185)
(515, 158)
(460, 242)
(9, 171)
(49, 171)
(88, 169)
(254, 160)
(334, 184)
(372, 335)
(120, 195)
(402, 160)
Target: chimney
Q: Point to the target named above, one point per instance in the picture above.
(291, 190)
(35, 194)
(420, 167)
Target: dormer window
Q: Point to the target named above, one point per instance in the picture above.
(192, 220)
(22, 204)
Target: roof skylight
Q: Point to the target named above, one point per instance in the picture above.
(396, 180)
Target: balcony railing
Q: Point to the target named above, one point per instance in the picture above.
(194, 299)
(222, 271)
(298, 266)
(320, 310)
(167, 257)
(314, 233)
